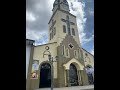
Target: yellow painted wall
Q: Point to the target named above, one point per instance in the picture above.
(89, 59)
(59, 27)
(38, 55)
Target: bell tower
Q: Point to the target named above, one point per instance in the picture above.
(63, 30)
(62, 23)
(61, 4)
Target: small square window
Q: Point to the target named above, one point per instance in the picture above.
(71, 46)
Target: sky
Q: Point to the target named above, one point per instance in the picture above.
(39, 12)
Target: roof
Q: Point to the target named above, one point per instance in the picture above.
(87, 52)
(45, 44)
(30, 40)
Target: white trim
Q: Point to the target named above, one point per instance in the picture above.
(67, 51)
(76, 54)
(78, 65)
(63, 50)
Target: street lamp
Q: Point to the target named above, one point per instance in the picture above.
(50, 59)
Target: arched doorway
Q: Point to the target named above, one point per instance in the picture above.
(73, 77)
(45, 75)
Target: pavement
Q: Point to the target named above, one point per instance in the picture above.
(89, 87)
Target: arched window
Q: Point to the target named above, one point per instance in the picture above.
(64, 28)
(73, 31)
(52, 33)
(67, 52)
(79, 54)
(50, 36)
(54, 30)
(64, 1)
(67, 17)
(63, 50)
(75, 53)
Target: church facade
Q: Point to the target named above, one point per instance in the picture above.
(67, 54)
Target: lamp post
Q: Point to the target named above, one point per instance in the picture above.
(50, 59)
(51, 63)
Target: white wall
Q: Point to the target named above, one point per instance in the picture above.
(28, 49)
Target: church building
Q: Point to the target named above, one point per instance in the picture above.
(29, 54)
(69, 58)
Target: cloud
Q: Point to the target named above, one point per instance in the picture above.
(85, 40)
(39, 37)
(92, 52)
(30, 16)
(91, 12)
(38, 13)
(77, 8)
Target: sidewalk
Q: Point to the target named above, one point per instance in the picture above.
(90, 87)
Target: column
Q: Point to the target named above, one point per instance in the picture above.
(84, 77)
(67, 78)
(52, 75)
(78, 74)
(80, 78)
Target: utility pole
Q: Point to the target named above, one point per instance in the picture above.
(51, 62)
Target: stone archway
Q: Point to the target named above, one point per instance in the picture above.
(77, 69)
(73, 75)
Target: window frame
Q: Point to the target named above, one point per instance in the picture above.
(75, 54)
(54, 31)
(50, 36)
(73, 31)
(63, 50)
(64, 29)
(67, 52)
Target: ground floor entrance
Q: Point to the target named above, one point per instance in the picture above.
(45, 76)
(73, 78)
